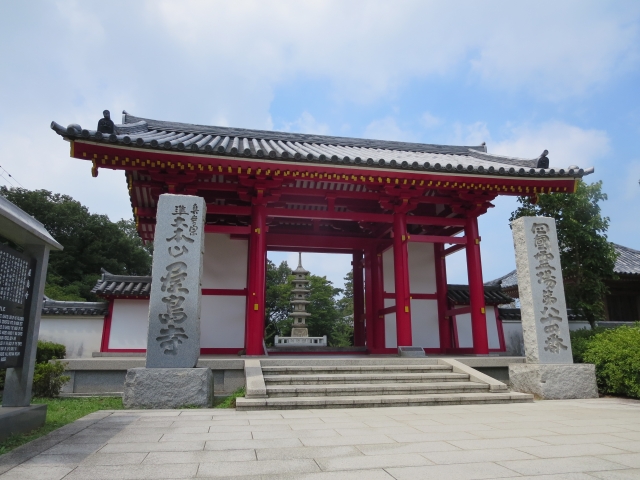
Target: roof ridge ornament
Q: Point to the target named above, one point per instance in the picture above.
(106, 125)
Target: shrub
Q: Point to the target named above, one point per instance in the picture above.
(580, 340)
(616, 355)
(48, 379)
(3, 374)
(50, 351)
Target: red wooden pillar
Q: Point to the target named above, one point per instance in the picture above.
(476, 288)
(401, 277)
(358, 301)
(254, 326)
(378, 292)
(444, 323)
(369, 298)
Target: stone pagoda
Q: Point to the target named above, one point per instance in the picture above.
(299, 301)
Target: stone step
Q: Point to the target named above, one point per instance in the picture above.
(353, 369)
(344, 360)
(321, 379)
(351, 389)
(356, 401)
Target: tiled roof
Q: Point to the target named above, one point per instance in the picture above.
(508, 280)
(459, 295)
(237, 142)
(122, 286)
(628, 261)
(63, 308)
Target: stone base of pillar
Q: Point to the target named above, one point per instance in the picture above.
(554, 381)
(168, 388)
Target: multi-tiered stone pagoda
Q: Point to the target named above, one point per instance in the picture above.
(299, 331)
(299, 301)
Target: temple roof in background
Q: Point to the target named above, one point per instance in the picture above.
(627, 263)
(138, 132)
(66, 308)
(122, 286)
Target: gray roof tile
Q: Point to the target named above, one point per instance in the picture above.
(122, 286)
(64, 308)
(160, 135)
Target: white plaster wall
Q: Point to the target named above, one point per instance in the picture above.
(422, 268)
(424, 323)
(129, 324)
(225, 261)
(225, 266)
(390, 337)
(222, 321)
(422, 279)
(465, 334)
(81, 335)
(514, 342)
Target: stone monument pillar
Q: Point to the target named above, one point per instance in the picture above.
(170, 379)
(299, 302)
(549, 371)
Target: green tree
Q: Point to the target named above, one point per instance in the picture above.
(345, 304)
(587, 257)
(326, 313)
(277, 300)
(90, 242)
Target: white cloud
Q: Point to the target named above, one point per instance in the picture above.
(306, 123)
(367, 49)
(388, 129)
(472, 134)
(429, 121)
(567, 144)
(632, 181)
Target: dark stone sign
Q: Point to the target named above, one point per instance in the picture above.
(16, 287)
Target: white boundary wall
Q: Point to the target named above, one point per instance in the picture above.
(80, 334)
(129, 324)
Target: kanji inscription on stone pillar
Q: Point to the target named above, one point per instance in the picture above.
(545, 324)
(174, 308)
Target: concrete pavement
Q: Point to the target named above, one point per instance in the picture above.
(546, 440)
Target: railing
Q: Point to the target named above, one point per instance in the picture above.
(300, 341)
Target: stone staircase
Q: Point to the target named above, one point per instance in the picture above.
(377, 382)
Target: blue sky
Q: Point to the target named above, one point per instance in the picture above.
(520, 76)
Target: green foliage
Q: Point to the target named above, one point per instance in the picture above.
(3, 375)
(587, 257)
(616, 355)
(277, 300)
(580, 341)
(48, 379)
(90, 242)
(60, 412)
(345, 304)
(50, 351)
(230, 401)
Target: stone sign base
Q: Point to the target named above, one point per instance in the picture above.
(15, 420)
(554, 381)
(168, 388)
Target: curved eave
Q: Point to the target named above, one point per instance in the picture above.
(127, 158)
(443, 162)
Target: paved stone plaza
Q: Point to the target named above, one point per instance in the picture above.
(566, 439)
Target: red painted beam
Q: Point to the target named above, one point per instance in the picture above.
(318, 241)
(230, 229)
(388, 310)
(454, 249)
(437, 239)
(401, 280)
(358, 300)
(235, 292)
(457, 311)
(228, 210)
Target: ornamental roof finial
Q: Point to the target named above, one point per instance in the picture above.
(299, 259)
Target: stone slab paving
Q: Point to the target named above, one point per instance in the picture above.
(545, 440)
